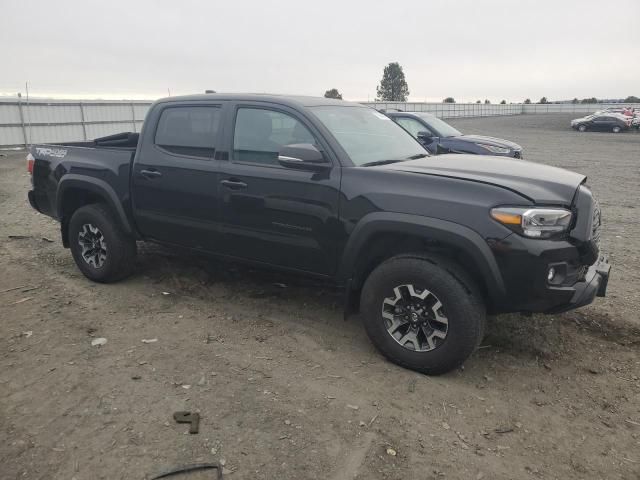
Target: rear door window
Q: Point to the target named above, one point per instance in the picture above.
(189, 130)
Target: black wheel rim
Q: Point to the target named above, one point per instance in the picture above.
(93, 245)
(415, 318)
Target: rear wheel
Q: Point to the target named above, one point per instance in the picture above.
(423, 313)
(101, 250)
(616, 129)
(582, 128)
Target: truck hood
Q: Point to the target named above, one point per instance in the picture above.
(541, 184)
(496, 142)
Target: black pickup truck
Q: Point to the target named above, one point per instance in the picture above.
(424, 246)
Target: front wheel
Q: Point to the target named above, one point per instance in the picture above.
(101, 250)
(423, 313)
(616, 129)
(582, 128)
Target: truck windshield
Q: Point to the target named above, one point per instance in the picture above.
(367, 135)
(439, 127)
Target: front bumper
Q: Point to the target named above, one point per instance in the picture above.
(581, 274)
(594, 285)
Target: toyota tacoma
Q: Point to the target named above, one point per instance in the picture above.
(424, 247)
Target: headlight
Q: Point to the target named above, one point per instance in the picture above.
(534, 222)
(493, 148)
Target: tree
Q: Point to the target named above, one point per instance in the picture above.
(632, 99)
(393, 86)
(449, 100)
(487, 101)
(527, 101)
(333, 93)
(478, 101)
(589, 100)
(503, 102)
(543, 100)
(575, 100)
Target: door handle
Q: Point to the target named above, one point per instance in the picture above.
(150, 174)
(233, 184)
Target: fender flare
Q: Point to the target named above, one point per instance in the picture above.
(98, 187)
(448, 233)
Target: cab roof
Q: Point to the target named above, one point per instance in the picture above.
(287, 100)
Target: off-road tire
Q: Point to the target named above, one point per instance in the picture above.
(120, 247)
(459, 295)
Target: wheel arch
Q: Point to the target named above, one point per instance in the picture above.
(75, 191)
(381, 235)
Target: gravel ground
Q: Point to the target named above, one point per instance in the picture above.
(288, 390)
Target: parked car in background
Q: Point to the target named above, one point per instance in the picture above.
(603, 122)
(626, 111)
(423, 246)
(437, 136)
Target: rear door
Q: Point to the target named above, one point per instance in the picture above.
(601, 123)
(273, 214)
(175, 178)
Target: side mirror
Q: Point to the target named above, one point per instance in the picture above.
(303, 156)
(425, 136)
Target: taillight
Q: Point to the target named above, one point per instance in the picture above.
(30, 162)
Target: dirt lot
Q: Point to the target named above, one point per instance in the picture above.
(286, 389)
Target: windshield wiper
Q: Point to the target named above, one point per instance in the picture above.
(380, 162)
(417, 156)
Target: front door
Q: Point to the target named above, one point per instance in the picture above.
(270, 213)
(414, 127)
(175, 177)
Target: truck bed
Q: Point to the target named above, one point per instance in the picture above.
(124, 140)
(107, 160)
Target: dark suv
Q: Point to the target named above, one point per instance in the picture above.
(437, 136)
(423, 246)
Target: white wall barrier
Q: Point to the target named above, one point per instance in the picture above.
(50, 121)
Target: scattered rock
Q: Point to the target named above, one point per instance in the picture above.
(98, 342)
(353, 407)
(287, 422)
(391, 451)
(446, 426)
(149, 340)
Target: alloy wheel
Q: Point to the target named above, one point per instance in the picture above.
(93, 245)
(415, 318)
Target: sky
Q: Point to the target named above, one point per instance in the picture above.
(467, 49)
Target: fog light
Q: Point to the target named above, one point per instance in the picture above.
(551, 274)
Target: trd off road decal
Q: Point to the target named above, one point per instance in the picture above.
(51, 152)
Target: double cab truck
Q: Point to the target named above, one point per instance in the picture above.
(423, 246)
